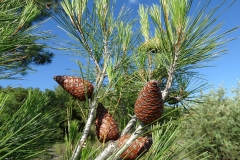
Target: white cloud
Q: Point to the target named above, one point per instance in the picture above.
(133, 1)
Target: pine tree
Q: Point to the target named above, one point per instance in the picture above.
(119, 62)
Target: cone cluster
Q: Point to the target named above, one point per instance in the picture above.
(106, 126)
(140, 146)
(148, 108)
(149, 104)
(75, 86)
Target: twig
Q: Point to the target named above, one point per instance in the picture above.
(129, 126)
(171, 74)
(85, 132)
(84, 41)
(93, 105)
(108, 150)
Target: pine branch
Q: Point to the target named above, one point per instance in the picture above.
(99, 80)
(85, 131)
(108, 151)
(84, 42)
(129, 126)
(171, 74)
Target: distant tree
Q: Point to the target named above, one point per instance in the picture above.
(59, 98)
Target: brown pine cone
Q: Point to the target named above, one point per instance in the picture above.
(139, 147)
(149, 104)
(75, 86)
(106, 126)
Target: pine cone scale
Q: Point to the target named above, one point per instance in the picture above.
(77, 87)
(149, 104)
(106, 126)
(140, 146)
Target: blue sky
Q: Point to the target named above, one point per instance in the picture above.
(225, 71)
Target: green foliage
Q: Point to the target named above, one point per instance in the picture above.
(18, 43)
(71, 137)
(78, 111)
(17, 97)
(188, 40)
(58, 99)
(27, 132)
(217, 120)
(180, 44)
(168, 142)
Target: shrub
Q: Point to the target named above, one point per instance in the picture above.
(217, 120)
